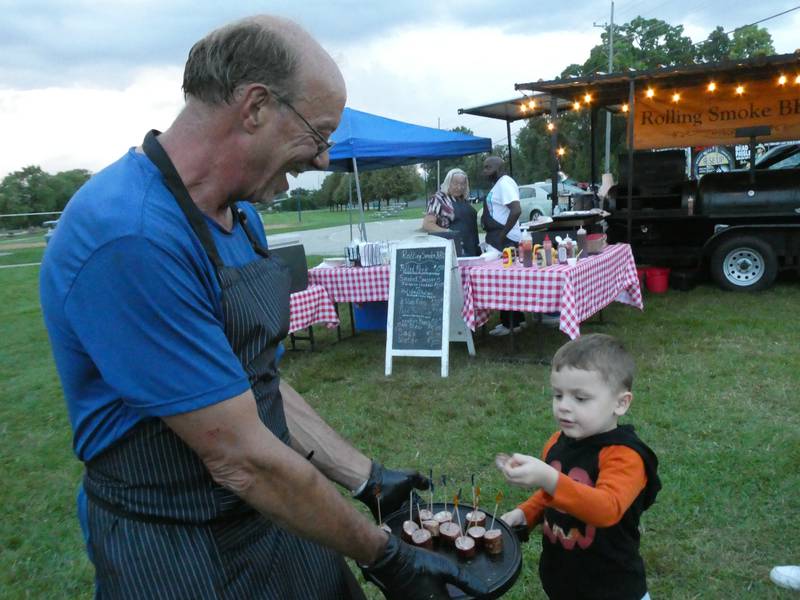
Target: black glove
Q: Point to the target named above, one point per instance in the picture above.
(522, 532)
(395, 487)
(408, 573)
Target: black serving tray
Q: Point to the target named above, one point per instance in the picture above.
(500, 572)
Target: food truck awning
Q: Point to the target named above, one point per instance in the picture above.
(611, 90)
(517, 108)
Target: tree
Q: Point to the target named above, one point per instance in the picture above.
(640, 44)
(386, 184)
(32, 190)
(471, 165)
(716, 48)
(751, 41)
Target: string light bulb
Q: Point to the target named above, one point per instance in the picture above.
(625, 107)
(550, 127)
(650, 92)
(561, 151)
(782, 80)
(531, 104)
(522, 108)
(712, 87)
(676, 97)
(797, 80)
(587, 98)
(576, 105)
(739, 90)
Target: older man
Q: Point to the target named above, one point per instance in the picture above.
(165, 310)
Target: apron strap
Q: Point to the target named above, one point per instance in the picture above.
(155, 152)
(241, 216)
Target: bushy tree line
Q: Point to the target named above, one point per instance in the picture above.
(378, 188)
(32, 190)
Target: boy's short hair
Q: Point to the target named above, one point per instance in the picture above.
(601, 353)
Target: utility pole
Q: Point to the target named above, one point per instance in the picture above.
(610, 70)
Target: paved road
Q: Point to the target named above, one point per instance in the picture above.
(331, 241)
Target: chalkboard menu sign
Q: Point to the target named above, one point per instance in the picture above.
(425, 302)
(418, 298)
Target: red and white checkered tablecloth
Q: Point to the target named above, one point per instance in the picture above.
(312, 305)
(371, 284)
(577, 292)
(352, 284)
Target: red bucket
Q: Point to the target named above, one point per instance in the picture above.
(642, 273)
(658, 280)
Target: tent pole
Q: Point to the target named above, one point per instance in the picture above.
(631, 103)
(593, 159)
(361, 226)
(350, 203)
(553, 155)
(510, 164)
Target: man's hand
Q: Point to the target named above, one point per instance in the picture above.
(408, 573)
(394, 487)
(526, 471)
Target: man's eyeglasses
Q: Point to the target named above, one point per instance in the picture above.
(323, 144)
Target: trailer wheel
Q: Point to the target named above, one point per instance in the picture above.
(535, 214)
(744, 264)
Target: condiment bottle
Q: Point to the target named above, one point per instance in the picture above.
(548, 250)
(582, 243)
(569, 244)
(562, 253)
(526, 249)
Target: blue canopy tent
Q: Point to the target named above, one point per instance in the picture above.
(365, 141)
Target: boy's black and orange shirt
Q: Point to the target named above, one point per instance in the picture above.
(590, 525)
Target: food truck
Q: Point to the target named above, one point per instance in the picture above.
(741, 226)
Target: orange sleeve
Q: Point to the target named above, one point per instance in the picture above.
(622, 477)
(534, 506)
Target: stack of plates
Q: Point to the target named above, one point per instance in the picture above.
(338, 261)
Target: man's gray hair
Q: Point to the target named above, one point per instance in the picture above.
(238, 54)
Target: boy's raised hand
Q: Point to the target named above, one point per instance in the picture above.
(526, 471)
(514, 518)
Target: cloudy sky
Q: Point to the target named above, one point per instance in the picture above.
(83, 80)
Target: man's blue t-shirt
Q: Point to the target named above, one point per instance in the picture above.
(132, 305)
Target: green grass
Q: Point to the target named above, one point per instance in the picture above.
(286, 222)
(715, 396)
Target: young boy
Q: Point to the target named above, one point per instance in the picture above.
(595, 478)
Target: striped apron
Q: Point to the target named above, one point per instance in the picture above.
(160, 527)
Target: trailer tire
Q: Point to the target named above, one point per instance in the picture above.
(744, 264)
(535, 214)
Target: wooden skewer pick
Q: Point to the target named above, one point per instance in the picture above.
(458, 512)
(444, 489)
(497, 500)
(430, 478)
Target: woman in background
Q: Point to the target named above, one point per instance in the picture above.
(449, 211)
